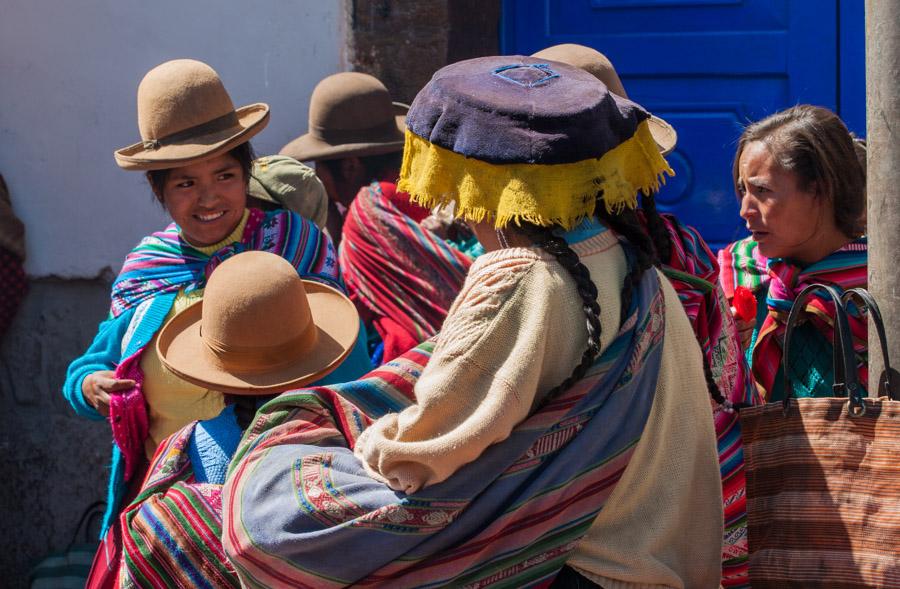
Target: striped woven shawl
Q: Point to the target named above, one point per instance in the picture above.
(845, 268)
(171, 531)
(164, 263)
(300, 511)
(693, 271)
(396, 269)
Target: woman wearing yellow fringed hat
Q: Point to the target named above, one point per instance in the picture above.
(195, 151)
(686, 259)
(563, 417)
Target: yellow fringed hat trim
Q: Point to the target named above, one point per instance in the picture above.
(542, 194)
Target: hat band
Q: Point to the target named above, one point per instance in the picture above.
(338, 136)
(223, 123)
(258, 359)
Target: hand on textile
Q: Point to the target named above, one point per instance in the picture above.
(745, 331)
(437, 226)
(97, 386)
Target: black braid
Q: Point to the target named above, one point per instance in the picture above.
(662, 241)
(244, 409)
(627, 224)
(559, 248)
(714, 391)
(656, 227)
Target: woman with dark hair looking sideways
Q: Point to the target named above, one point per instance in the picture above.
(803, 196)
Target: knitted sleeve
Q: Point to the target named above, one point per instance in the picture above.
(104, 353)
(515, 331)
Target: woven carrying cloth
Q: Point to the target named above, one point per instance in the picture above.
(514, 139)
(163, 263)
(305, 516)
(844, 269)
(693, 271)
(172, 529)
(401, 275)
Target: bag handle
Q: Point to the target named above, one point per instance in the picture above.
(92, 511)
(845, 377)
(866, 302)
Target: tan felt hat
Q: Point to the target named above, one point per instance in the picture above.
(594, 62)
(350, 114)
(185, 115)
(260, 329)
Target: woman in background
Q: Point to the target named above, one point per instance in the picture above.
(802, 190)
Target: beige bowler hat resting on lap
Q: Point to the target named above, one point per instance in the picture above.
(259, 329)
(185, 115)
(350, 114)
(594, 62)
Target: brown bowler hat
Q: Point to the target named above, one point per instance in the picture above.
(597, 64)
(185, 115)
(350, 114)
(260, 329)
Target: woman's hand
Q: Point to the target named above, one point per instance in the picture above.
(745, 331)
(97, 386)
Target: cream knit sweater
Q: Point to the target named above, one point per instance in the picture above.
(515, 331)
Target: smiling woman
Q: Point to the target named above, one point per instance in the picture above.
(194, 149)
(802, 193)
(206, 199)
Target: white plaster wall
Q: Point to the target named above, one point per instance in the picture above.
(69, 72)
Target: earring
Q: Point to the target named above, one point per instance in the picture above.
(501, 237)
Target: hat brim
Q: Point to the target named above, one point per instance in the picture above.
(308, 147)
(182, 351)
(251, 120)
(663, 134)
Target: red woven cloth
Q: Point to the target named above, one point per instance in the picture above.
(402, 277)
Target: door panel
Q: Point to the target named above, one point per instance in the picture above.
(707, 66)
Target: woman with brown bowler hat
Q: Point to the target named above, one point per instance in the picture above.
(401, 275)
(259, 330)
(195, 152)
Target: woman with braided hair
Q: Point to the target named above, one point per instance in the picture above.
(686, 260)
(562, 417)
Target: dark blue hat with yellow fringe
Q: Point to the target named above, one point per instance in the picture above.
(520, 139)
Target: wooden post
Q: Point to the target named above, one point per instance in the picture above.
(883, 164)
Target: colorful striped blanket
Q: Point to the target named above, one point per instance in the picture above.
(170, 532)
(164, 263)
(402, 275)
(845, 268)
(300, 511)
(693, 271)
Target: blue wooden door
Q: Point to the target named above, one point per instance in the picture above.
(708, 67)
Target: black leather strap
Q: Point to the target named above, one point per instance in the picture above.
(886, 382)
(846, 381)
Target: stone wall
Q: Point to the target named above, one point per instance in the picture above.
(404, 43)
(54, 463)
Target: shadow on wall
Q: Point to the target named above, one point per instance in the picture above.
(53, 462)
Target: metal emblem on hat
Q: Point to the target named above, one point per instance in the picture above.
(528, 75)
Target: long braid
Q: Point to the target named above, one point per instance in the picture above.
(656, 227)
(627, 224)
(587, 290)
(662, 241)
(244, 409)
